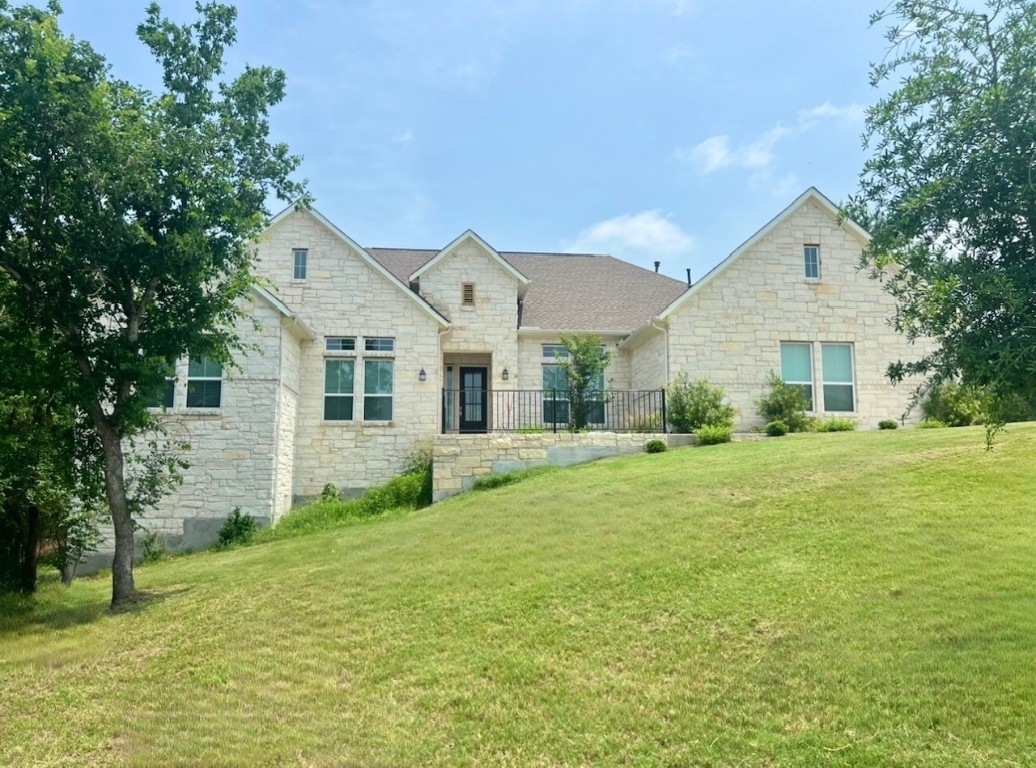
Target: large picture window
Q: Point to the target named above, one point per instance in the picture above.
(204, 382)
(557, 407)
(377, 390)
(837, 369)
(338, 389)
(797, 367)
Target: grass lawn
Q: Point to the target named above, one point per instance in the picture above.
(824, 599)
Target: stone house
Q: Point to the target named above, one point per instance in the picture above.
(364, 353)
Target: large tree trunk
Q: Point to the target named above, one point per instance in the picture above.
(30, 549)
(115, 490)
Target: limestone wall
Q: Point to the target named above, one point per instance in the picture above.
(457, 460)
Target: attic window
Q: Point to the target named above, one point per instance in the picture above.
(467, 291)
(811, 261)
(300, 259)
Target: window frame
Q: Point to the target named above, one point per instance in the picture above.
(807, 262)
(368, 395)
(296, 264)
(349, 396)
(825, 383)
(811, 384)
(206, 380)
(555, 351)
(386, 344)
(340, 344)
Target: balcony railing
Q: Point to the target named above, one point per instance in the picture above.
(552, 410)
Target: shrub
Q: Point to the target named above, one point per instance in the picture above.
(835, 424)
(647, 424)
(330, 492)
(240, 528)
(419, 463)
(154, 550)
(784, 402)
(403, 492)
(656, 446)
(888, 424)
(694, 404)
(931, 424)
(776, 428)
(956, 406)
(711, 434)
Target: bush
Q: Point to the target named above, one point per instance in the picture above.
(835, 424)
(888, 424)
(403, 492)
(786, 403)
(240, 528)
(154, 550)
(931, 424)
(694, 404)
(647, 424)
(419, 462)
(712, 434)
(777, 428)
(956, 406)
(656, 446)
(330, 492)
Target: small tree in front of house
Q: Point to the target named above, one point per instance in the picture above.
(584, 371)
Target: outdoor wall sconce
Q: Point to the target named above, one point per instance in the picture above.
(422, 375)
(505, 375)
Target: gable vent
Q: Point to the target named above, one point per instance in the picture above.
(468, 294)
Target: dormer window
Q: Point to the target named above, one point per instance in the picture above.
(467, 294)
(811, 261)
(300, 263)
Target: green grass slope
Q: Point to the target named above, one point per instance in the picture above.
(826, 599)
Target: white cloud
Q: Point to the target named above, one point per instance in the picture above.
(717, 152)
(850, 115)
(638, 237)
(405, 137)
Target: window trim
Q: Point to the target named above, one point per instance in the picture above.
(295, 264)
(384, 344)
(187, 399)
(812, 372)
(824, 383)
(806, 261)
(344, 344)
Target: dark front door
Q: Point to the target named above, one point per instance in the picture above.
(473, 400)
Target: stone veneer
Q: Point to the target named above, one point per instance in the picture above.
(457, 460)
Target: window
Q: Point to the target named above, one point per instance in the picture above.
(811, 260)
(340, 343)
(204, 382)
(299, 257)
(797, 367)
(377, 389)
(467, 294)
(379, 345)
(554, 351)
(338, 390)
(555, 394)
(163, 396)
(837, 368)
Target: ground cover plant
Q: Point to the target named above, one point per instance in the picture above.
(865, 601)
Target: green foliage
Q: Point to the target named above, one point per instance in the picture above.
(834, 424)
(888, 424)
(488, 482)
(647, 424)
(141, 251)
(947, 194)
(656, 446)
(712, 434)
(584, 370)
(330, 492)
(691, 404)
(154, 549)
(530, 429)
(239, 528)
(956, 405)
(786, 403)
(777, 428)
(931, 424)
(419, 462)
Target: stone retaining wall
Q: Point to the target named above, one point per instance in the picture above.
(457, 460)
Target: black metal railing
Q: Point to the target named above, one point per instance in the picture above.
(552, 410)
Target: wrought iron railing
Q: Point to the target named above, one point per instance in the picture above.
(552, 410)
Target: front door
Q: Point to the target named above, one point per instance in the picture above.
(473, 400)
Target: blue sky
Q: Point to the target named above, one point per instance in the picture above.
(649, 129)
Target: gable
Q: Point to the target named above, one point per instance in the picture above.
(469, 239)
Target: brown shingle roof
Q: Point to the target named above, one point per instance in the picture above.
(569, 292)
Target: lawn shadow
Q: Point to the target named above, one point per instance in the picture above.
(20, 614)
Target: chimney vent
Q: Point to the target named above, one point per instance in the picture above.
(688, 277)
(657, 265)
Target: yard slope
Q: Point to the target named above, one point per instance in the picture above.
(834, 599)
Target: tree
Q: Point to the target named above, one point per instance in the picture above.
(125, 219)
(584, 372)
(949, 193)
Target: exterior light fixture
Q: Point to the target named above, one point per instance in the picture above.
(422, 375)
(505, 375)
